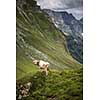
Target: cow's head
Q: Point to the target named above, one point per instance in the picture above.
(35, 62)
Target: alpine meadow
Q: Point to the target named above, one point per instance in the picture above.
(49, 53)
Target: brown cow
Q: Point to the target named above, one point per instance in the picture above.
(42, 65)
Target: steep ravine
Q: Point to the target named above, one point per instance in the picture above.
(37, 37)
(72, 29)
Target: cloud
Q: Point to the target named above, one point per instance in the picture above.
(75, 6)
(54, 4)
(77, 12)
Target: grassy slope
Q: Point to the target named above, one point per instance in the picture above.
(37, 36)
(58, 85)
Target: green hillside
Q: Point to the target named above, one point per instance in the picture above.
(37, 37)
(58, 85)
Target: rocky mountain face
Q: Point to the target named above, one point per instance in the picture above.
(72, 29)
(36, 36)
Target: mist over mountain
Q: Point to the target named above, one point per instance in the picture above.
(72, 6)
(52, 4)
(37, 37)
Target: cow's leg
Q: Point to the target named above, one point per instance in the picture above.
(46, 71)
(41, 70)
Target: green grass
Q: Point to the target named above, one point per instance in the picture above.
(38, 37)
(58, 85)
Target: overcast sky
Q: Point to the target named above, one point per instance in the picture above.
(72, 6)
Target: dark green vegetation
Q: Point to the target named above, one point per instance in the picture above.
(37, 37)
(58, 85)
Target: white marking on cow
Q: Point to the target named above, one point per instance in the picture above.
(42, 65)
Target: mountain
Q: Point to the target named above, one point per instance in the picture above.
(37, 37)
(72, 29)
(63, 20)
(81, 20)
